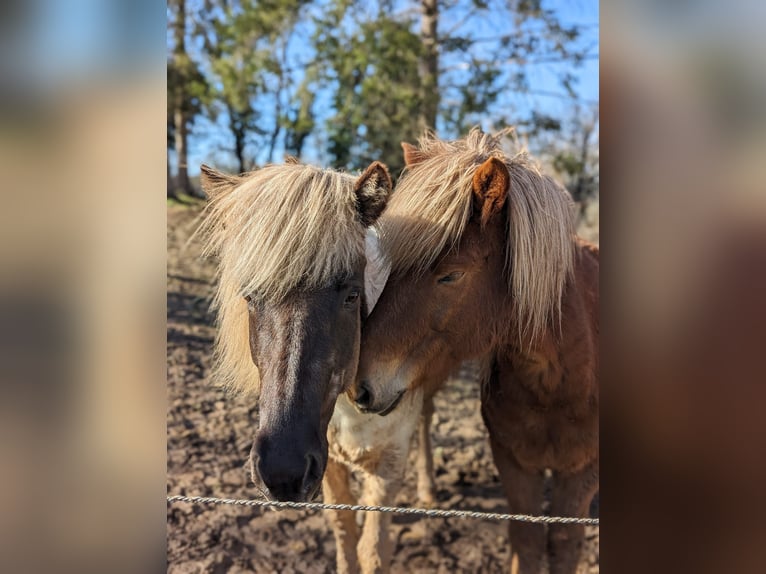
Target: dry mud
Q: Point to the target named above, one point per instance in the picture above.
(209, 437)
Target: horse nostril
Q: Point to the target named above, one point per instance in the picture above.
(363, 395)
(313, 472)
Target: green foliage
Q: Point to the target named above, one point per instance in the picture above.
(476, 96)
(187, 89)
(539, 123)
(571, 147)
(299, 121)
(376, 94)
(240, 39)
(529, 35)
(566, 162)
(383, 73)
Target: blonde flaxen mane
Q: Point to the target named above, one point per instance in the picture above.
(277, 229)
(432, 205)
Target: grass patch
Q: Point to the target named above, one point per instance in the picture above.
(184, 200)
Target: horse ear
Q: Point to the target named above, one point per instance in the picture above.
(214, 182)
(372, 191)
(491, 183)
(412, 155)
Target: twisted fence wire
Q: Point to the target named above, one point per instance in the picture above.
(430, 513)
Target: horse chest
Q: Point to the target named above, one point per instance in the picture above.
(355, 437)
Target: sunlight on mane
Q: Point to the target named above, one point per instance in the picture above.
(280, 228)
(438, 189)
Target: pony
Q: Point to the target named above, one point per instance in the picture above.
(290, 240)
(299, 271)
(485, 265)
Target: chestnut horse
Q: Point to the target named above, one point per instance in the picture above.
(486, 265)
(298, 274)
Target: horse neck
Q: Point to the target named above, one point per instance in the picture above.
(566, 352)
(353, 432)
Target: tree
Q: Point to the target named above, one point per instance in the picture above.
(299, 120)
(187, 90)
(580, 162)
(482, 74)
(428, 66)
(246, 45)
(374, 74)
(363, 76)
(571, 148)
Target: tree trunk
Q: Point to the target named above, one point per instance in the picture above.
(169, 180)
(239, 145)
(580, 192)
(297, 140)
(239, 151)
(180, 119)
(182, 178)
(278, 102)
(429, 64)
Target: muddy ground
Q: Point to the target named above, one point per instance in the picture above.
(209, 437)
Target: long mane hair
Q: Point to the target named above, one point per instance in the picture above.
(277, 229)
(432, 205)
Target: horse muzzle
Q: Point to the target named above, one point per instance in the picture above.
(286, 473)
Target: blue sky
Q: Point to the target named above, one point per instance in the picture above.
(210, 141)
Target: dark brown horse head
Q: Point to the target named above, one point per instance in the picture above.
(290, 303)
(462, 254)
(307, 348)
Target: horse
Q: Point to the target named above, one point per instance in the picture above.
(289, 302)
(298, 272)
(486, 265)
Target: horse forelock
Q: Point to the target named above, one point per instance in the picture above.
(432, 205)
(283, 227)
(286, 226)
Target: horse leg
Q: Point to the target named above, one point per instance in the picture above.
(525, 493)
(336, 489)
(379, 489)
(425, 460)
(571, 496)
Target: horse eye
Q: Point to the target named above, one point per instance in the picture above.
(248, 298)
(351, 298)
(454, 276)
